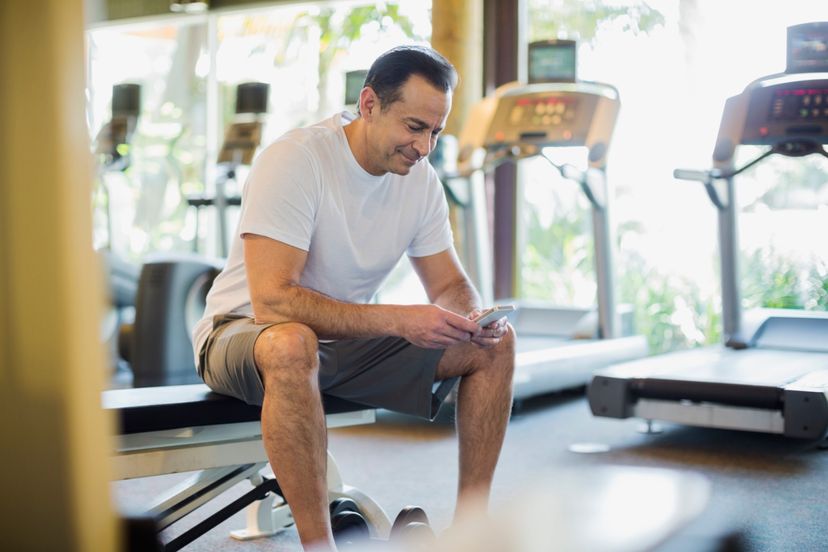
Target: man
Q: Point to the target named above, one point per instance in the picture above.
(327, 212)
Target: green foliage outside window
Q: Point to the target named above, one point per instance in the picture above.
(818, 280)
(553, 18)
(669, 309)
(557, 255)
(775, 281)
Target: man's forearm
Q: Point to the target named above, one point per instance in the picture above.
(460, 297)
(328, 317)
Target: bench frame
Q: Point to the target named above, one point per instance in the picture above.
(221, 454)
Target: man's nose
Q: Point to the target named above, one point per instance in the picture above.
(422, 145)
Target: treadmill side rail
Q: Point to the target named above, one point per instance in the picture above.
(711, 415)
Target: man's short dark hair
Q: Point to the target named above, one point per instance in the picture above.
(391, 70)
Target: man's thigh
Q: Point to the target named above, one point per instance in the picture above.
(387, 372)
(227, 363)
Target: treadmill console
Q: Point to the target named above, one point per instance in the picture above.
(545, 114)
(784, 110)
(788, 108)
(553, 109)
(242, 138)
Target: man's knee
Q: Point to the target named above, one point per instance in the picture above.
(468, 359)
(507, 343)
(287, 350)
(505, 350)
(500, 358)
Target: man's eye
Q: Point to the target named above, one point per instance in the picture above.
(414, 128)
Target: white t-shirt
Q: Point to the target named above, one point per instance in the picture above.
(308, 190)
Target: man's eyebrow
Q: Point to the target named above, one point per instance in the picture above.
(420, 123)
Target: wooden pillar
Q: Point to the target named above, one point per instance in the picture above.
(54, 464)
(457, 33)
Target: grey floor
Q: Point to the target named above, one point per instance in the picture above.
(768, 488)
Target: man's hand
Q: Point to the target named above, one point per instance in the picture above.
(433, 327)
(489, 336)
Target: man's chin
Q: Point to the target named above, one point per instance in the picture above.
(401, 169)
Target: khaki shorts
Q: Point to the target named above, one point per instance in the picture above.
(386, 372)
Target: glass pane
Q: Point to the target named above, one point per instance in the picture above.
(140, 198)
(556, 244)
(782, 228)
(674, 63)
(303, 51)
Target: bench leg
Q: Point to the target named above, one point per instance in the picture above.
(265, 517)
(197, 490)
(270, 515)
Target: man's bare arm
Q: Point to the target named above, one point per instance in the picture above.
(446, 283)
(273, 273)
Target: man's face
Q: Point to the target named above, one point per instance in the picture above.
(406, 131)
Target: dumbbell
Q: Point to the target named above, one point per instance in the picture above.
(349, 524)
(347, 521)
(412, 524)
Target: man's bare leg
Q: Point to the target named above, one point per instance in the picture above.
(484, 403)
(293, 427)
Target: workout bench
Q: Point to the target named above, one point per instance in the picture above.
(183, 428)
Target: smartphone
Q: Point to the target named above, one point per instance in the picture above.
(493, 313)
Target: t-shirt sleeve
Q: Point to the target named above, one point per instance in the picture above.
(280, 196)
(434, 234)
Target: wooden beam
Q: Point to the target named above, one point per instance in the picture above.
(457, 33)
(55, 467)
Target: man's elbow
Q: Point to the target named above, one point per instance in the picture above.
(270, 309)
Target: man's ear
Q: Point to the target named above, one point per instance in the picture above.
(368, 102)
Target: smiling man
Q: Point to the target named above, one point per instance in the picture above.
(327, 212)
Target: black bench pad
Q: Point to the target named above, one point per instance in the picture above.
(145, 409)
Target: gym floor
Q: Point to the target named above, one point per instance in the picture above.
(766, 488)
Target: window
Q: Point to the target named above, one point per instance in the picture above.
(140, 204)
(188, 69)
(674, 63)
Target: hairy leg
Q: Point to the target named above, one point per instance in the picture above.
(484, 403)
(293, 427)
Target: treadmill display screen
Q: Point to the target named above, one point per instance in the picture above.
(552, 61)
(354, 81)
(807, 48)
(800, 104)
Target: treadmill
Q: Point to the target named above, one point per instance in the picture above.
(771, 373)
(557, 347)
